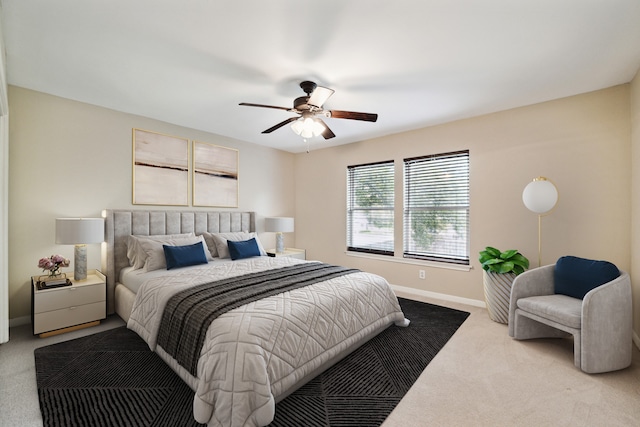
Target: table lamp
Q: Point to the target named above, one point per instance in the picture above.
(279, 225)
(79, 232)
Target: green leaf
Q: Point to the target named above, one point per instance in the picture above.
(520, 260)
(506, 267)
(493, 264)
(508, 254)
(484, 257)
(492, 251)
(517, 269)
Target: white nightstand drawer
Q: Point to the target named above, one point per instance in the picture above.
(69, 296)
(74, 315)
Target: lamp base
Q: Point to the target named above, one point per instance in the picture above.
(279, 243)
(80, 262)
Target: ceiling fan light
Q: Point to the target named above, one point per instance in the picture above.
(307, 127)
(308, 123)
(298, 126)
(318, 128)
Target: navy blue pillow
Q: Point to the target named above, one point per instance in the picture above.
(243, 249)
(575, 276)
(182, 256)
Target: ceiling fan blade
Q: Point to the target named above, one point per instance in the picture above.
(264, 106)
(326, 133)
(319, 96)
(279, 125)
(367, 117)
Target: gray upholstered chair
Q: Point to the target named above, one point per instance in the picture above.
(600, 322)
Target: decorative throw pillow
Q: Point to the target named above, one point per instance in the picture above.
(183, 256)
(575, 276)
(137, 255)
(221, 242)
(155, 254)
(243, 249)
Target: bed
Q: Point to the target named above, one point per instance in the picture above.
(254, 354)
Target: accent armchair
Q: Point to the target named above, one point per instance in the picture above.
(600, 321)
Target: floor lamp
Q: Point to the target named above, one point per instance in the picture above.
(540, 196)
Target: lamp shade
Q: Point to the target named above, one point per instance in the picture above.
(278, 224)
(540, 195)
(74, 231)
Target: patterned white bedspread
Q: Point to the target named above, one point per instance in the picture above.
(257, 352)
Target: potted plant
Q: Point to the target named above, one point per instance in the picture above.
(500, 269)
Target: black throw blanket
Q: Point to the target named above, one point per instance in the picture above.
(189, 313)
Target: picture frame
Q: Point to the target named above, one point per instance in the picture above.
(215, 175)
(160, 169)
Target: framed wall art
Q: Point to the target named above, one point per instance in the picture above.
(160, 169)
(215, 175)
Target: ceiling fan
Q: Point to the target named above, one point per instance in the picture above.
(308, 122)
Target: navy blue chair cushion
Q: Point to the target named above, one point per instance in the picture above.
(243, 249)
(182, 256)
(575, 276)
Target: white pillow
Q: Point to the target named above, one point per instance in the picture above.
(211, 244)
(220, 240)
(137, 256)
(155, 253)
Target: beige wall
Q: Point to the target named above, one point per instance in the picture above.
(581, 143)
(635, 200)
(74, 159)
(69, 159)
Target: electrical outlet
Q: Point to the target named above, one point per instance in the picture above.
(421, 274)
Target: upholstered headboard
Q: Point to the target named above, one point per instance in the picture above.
(121, 223)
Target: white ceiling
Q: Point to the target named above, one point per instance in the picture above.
(414, 62)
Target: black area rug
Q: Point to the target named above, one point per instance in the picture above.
(112, 378)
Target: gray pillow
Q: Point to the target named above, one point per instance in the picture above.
(220, 240)
(137, 256)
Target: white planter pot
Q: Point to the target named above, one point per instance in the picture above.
(497, 291)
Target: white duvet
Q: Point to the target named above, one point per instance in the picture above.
(259, 351)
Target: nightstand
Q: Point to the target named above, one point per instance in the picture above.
(289, 252)
(68, 308)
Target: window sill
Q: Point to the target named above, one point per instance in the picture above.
(399, 260)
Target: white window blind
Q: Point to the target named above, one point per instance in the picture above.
(370, 203)
(436, 207)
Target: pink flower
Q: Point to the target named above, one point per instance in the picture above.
(60, 260)
(45, 263)
(53, 263)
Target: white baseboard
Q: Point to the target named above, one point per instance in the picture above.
(444, 297)
(473, 302)
(19, 321)
(25, 320)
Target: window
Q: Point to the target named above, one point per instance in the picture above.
(436, 207)
(370, 200)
